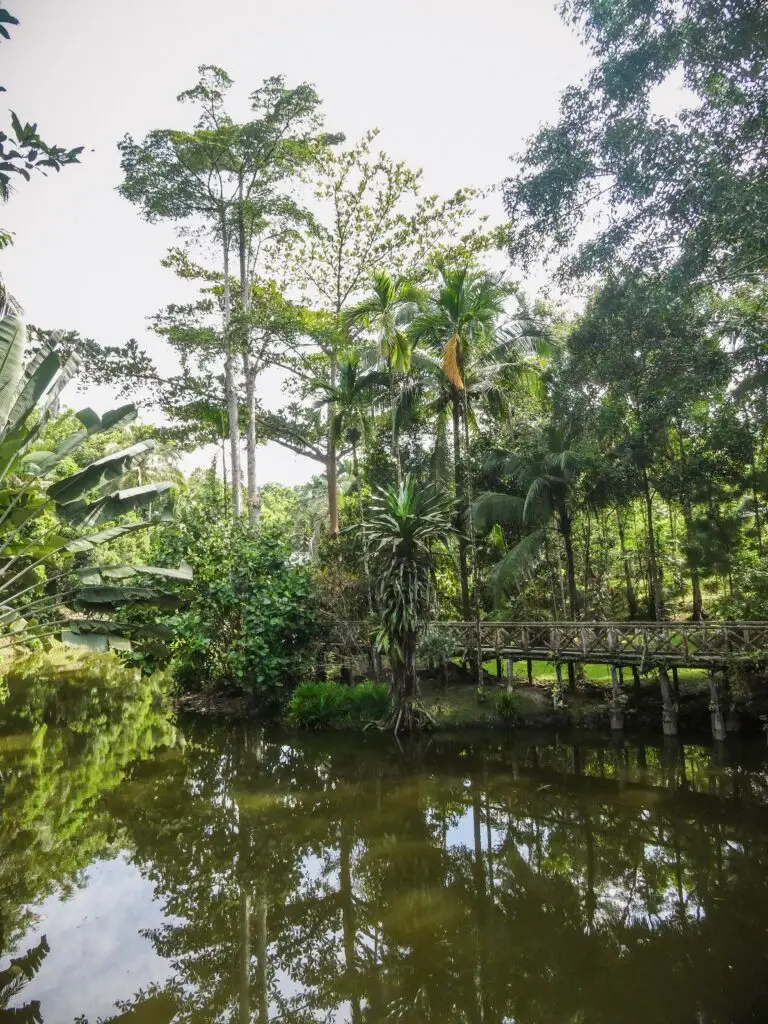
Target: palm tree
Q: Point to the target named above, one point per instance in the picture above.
(405, 524)
(544, 478)
(390, 305)
(473, 353)
(349, 398)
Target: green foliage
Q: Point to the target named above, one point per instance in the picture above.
(250, 616)
(404, 525)
(508, 706)
(333, 706)
(688, 190)
(49, 527)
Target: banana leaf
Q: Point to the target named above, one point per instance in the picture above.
(12, 341)
(104, 510)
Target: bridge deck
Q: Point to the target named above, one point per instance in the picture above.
(690, 644)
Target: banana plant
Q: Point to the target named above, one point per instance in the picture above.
(48, 526)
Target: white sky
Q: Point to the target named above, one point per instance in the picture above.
(455, 88)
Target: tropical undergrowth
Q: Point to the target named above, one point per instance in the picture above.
(328, 705)
(249, 620)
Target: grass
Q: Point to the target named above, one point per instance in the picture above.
(333, 706)
(544, 672)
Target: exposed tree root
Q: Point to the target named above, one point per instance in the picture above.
(408, 715)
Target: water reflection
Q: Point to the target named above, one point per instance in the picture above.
(345, 880)
(52, 780)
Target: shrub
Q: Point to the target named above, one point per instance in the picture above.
(508, 706)
(250, 621)
(369, 702)
(333, 706)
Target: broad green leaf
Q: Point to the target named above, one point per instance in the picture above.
(100, 472)
(112, 533)
(81, 513)
(88, 418)
(90, 641)
(12, 341)
(35, 385)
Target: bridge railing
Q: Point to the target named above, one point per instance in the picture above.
(639, 643)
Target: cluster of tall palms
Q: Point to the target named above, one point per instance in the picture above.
(439, 361)
(439, 364)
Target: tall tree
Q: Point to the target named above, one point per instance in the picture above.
(650, 355)
(689, 190)
(542, 479)
(229, 179)
(475, 354)
(405, 525)
(372, 212)
(386, 311)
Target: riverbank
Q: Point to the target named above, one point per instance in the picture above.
(461, 705)
(454, 705)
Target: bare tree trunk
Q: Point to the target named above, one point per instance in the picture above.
(363, 528)
(630, 589)
(224, 468)
(230, 385)
(395, 441)
(653, 565)
(331, 467)
(472, 544)
(405, 687)
(758, 520)
(233, 413)
(250, 369)
(254, 495)
(564, 524)
(466, 608)
(587, 563)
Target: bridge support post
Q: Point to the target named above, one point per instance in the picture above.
(558, 694)
(617, 712)
(637, 684)
(529, 670)
(668, 704)
(510, 674)
(716, 707)
(732, 719)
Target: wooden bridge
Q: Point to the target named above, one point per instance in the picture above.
(645, 645)
(665, 646)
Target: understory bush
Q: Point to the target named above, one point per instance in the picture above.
(250, 619)
(508, 706)
(333, 706)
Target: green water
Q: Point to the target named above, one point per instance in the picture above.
(160, 871)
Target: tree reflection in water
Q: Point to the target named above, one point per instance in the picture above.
(342, 879)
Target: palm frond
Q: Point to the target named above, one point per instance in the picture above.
(492, 507)
(518, 560)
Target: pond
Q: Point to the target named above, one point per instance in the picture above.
(154, 871)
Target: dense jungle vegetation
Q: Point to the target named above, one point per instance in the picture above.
(597, 450)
